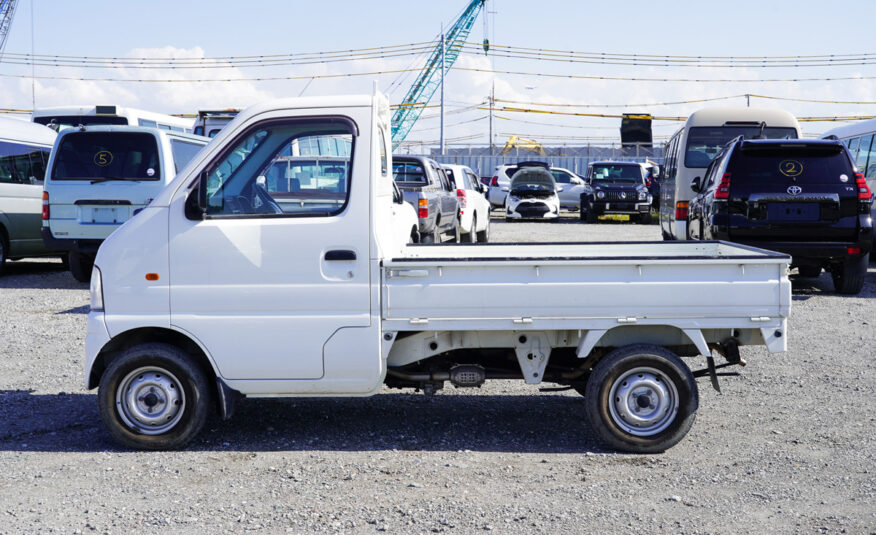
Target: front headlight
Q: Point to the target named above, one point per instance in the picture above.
(643, 196)
(514, 199)
(600, 194)
(96, 290)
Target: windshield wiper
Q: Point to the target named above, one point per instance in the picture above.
(108, 178)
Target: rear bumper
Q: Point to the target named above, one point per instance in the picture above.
(814, 252)
(70, 245)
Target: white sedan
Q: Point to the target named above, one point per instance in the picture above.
(532, 194)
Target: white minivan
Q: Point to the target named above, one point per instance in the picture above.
(24, 152)
(101, 176)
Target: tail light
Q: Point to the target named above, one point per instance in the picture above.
(460, 196)
(723, 191)
(864, 193)
(681, 210)
(422, 208)
(495, 181)
(854, 250)
(45, 205)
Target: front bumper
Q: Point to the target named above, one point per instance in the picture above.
(96, 338)
(532, 210)
(611, 207)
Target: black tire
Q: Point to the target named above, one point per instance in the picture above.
(809, 271)
(472, 236)
(592, 217)
(432, 237)
(80, 266)
(630, 376)
(161, 371)
(484, 235)
(848, 277)
(4, 250)
(415, 236)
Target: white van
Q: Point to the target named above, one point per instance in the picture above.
(99, 177)
(24, 153)
(59, 118)
(691, 149)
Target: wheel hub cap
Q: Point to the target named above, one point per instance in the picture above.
(150, 400)
(643, 401)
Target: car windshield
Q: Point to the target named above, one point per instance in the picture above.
(114, 155)
(705, 142)
(616, 173)
(783, 164)
(532, 179)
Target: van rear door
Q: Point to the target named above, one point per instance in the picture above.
(778, 190)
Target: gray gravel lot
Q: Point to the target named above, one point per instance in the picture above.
(787, 448)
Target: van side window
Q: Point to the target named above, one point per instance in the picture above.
(297, 168)
(146, 122)
(183, 152)
(22, 164)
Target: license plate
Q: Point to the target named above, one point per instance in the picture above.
(793, 211)
(104, 215)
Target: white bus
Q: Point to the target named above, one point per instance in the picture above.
(690, 150)
(72, 116)
(860, 139)
(24, 154)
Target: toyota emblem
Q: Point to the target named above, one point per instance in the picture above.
(795, 190)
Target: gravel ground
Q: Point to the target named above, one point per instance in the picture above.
(787, 448)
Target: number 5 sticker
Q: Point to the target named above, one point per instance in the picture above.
(791, 168)
(103, 158)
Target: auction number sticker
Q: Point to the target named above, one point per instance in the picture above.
(103, 158)
(791, 168)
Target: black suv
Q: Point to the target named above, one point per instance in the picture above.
(616, 188)
(799, 197)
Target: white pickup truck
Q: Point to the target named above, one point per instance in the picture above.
(246, 277)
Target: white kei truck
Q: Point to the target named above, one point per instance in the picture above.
(269, 267)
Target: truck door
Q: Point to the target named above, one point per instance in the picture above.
(280, 261)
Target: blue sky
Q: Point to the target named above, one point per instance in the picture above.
(201, 29)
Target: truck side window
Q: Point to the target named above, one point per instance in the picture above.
(300, 168)
(384, 160)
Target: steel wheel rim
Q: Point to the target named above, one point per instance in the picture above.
(643, 401)
(150, 400)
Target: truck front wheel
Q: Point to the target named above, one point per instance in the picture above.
(641, 399)
(154, 397)
(80, 266)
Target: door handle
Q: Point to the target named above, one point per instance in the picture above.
(339, 255)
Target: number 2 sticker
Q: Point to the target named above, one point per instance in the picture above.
(791, 168)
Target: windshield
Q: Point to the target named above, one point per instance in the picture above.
(119, 155)
(705, 142)
(61, 122)
(616, 173)
(533, 179)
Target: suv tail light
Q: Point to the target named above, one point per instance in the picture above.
(495, 181)
(45, 215)
(460, 196)
(681, 210)
(723, 191)
(422, 208)
(864, 193)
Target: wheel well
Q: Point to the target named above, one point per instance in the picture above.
(148, 335)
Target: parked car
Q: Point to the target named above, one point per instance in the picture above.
(532, 194)
(616, 188)
(405, 224)
(426, 186)
(799, 197)
(652, 181)
(24, 153)
(474, 208)
(573, 187)
(99, 177)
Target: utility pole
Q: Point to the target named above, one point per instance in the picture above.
(441, 147)
(492, 105)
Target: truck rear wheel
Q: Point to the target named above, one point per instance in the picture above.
(80, 266)
(154, 397)
(641, 399)
(848, 277)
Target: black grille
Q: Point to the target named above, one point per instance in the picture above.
(628, 196)
(532, 209)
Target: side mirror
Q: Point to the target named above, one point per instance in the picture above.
(397, 196)
(196, 202)
(262, 181)
(695, 185)
(577, 181)
(505, 188)
(655, 172)
(559, 188)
